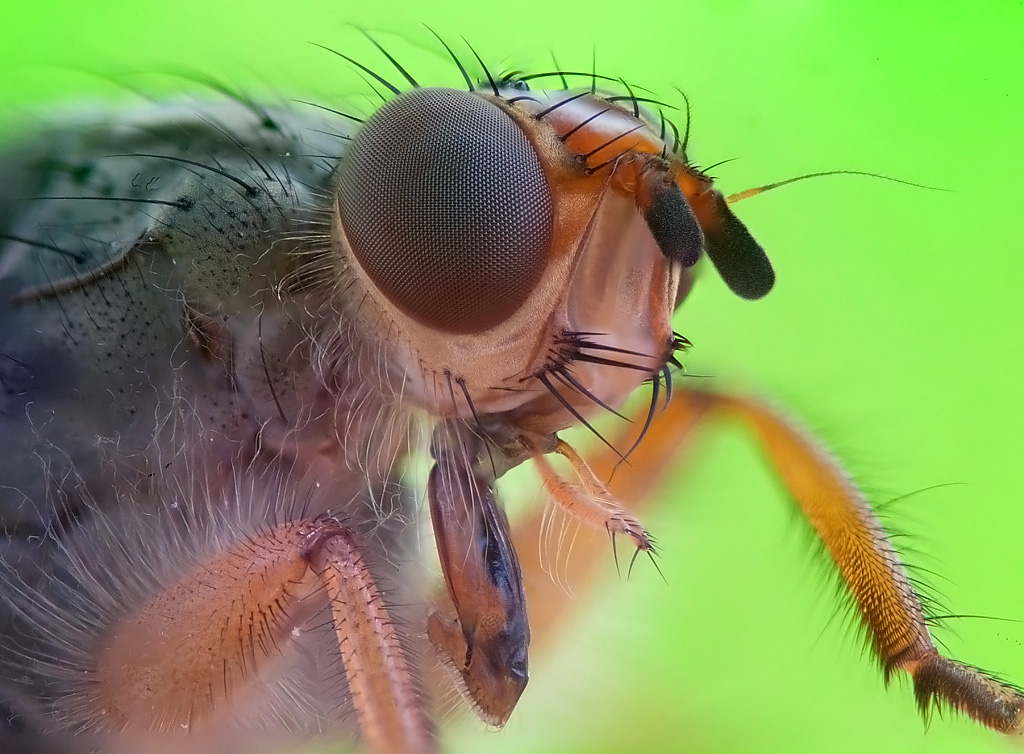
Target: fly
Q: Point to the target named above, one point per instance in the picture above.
(226, 330)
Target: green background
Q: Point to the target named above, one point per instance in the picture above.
(895, 330)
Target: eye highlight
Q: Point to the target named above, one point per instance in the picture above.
(446, 207)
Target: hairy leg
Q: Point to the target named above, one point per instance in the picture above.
(870, 569)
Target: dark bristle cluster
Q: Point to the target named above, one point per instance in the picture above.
(519, 81)
(579, 346)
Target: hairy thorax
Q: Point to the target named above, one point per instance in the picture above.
(170, 382)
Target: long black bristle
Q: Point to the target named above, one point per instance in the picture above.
(655, 391)
(561, 76)
(579, 417)
(331, 110)
(566, 378)
(451, 391)
(631, 97)
(177, 203)
(268, 174)
(625, 151)
(593, 68)
(520, 98)
(680, 342)
(675, 139)
(487, 73)
(559, 104)
(579, 340)
(394, 89)
(565, 137)
(405, 74)
(476, 417)
(249, 188)
(78, 257)
(635, 100)
(455, 58)
(610, 362)
(198, 77)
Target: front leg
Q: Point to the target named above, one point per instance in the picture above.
(871, 571)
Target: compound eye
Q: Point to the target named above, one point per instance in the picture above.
(446, 208)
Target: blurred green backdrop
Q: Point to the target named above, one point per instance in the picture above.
(895, 329)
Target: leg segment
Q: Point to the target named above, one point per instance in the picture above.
(592, 502)
(874, 577)
(193, 650)
(386, 698)
(634, 483)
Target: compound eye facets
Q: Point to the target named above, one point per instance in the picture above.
(445, 206)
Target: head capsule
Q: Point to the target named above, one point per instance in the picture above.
(506, 240)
